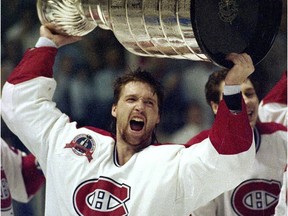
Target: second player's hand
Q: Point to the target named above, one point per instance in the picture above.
(58, 39)
(243, 67)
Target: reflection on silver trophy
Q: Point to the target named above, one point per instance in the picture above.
(163, 28)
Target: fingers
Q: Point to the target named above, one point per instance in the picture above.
(243, 67)
(242, 58)
(247, 58)
(58, 39)
(45, 32)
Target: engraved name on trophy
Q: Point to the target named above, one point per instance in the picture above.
(205, 30)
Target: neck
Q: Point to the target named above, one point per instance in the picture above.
(124, 150)
(124, 153)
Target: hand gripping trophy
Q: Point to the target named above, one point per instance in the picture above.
(205, 30)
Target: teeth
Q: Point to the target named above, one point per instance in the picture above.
(137, 119)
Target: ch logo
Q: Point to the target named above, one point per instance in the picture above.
(101, 196)
(6, 199)
(256, 197)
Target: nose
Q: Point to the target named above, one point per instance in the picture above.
(246, 99)
(249, 102)
(139, 106)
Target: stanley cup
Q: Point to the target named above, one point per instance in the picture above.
(170, 28)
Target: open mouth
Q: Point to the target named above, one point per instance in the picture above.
(136, 124)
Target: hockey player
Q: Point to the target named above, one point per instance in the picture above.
(273, 108)
(259, 194)
(21, 177)
(92, 172)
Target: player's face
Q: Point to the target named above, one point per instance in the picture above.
(250, 98)
(136, 114)
(251, 101)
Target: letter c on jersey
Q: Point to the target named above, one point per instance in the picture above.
(102, 196)
(256, 197)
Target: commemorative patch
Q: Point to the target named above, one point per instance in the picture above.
(82, 145)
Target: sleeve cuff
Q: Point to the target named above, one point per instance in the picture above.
(233, 102)
(232, 89)
(45, 42)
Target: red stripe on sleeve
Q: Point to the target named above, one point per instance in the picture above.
(33, 177)
(231, 133)
(198, 138)
(278, 93)
(270, 127)
(36, 62)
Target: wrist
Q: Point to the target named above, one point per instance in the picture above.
(45, 42)
(231, 89)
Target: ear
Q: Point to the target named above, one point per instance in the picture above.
(214, 106)
(113, 110)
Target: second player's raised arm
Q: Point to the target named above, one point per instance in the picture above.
(219, 160)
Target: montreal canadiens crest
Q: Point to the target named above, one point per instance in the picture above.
(102, 196)
(256, 197)
(6, 199)
(82, 145)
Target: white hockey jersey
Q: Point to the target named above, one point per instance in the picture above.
(80, 164)
(20, 177)
(259, 194)
(273, 108)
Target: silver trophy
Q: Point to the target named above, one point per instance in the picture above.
(205, 30)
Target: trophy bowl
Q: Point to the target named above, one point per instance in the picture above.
(64, 17)
(200, 30)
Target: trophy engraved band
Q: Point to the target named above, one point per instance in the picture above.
(205, 30)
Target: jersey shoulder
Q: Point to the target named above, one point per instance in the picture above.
(270, 127)
(198, 138)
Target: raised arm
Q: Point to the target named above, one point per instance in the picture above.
(221, 156)
(27, 106)
(231, 132)
(243, 67)
(58, 39)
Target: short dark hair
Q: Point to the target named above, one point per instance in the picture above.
(212, 87)
(140, 76)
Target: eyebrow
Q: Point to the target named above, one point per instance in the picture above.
(249, 89)
(145, 98)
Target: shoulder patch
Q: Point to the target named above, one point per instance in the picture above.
(82, 145)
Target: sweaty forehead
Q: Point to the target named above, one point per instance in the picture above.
(138, 88)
